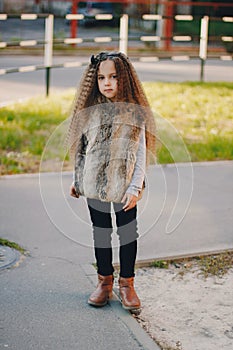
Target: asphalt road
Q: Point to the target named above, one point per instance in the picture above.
(22, 85)
(186, 209)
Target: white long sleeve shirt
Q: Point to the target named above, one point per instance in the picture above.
(140, 167)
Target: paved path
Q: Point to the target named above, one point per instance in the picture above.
(43, 300)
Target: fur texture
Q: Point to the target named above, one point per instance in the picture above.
(106, 152)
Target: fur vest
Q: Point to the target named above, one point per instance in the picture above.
(106, 151)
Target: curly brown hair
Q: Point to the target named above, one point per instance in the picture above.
(130, 90)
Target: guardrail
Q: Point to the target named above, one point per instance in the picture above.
(145, 17)
(122, 39)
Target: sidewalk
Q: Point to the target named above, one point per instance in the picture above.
(43, 300)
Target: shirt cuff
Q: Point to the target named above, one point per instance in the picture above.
(134, 190)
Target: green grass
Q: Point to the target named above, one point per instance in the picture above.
(201, 113)
(26, 127)
(193, 120)
(161, 264)
(216, 265)
(207, 265)
(5, 242)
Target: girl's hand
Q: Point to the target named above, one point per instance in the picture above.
(73, 192)
(130, 201)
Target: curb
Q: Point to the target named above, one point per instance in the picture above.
(125, 316)
(167, 165)
(148, 262)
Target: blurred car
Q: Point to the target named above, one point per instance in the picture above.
(90, 9)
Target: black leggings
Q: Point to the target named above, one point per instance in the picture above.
(126, 222)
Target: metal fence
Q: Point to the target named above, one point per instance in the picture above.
(122, 40)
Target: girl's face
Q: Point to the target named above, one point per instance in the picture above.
(107, 79)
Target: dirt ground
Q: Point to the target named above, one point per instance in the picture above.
(184, 310)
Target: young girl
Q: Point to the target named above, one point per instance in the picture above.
(111, 134)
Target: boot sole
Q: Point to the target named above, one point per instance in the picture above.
(92, 303)
(133, 310)
(95, 304)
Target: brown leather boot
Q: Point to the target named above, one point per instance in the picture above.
(129, 298)
(103, 291)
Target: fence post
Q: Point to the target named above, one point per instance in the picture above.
(48, 49)
(123, 44)
(73, 24)
(203, 44)
(168, 25)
